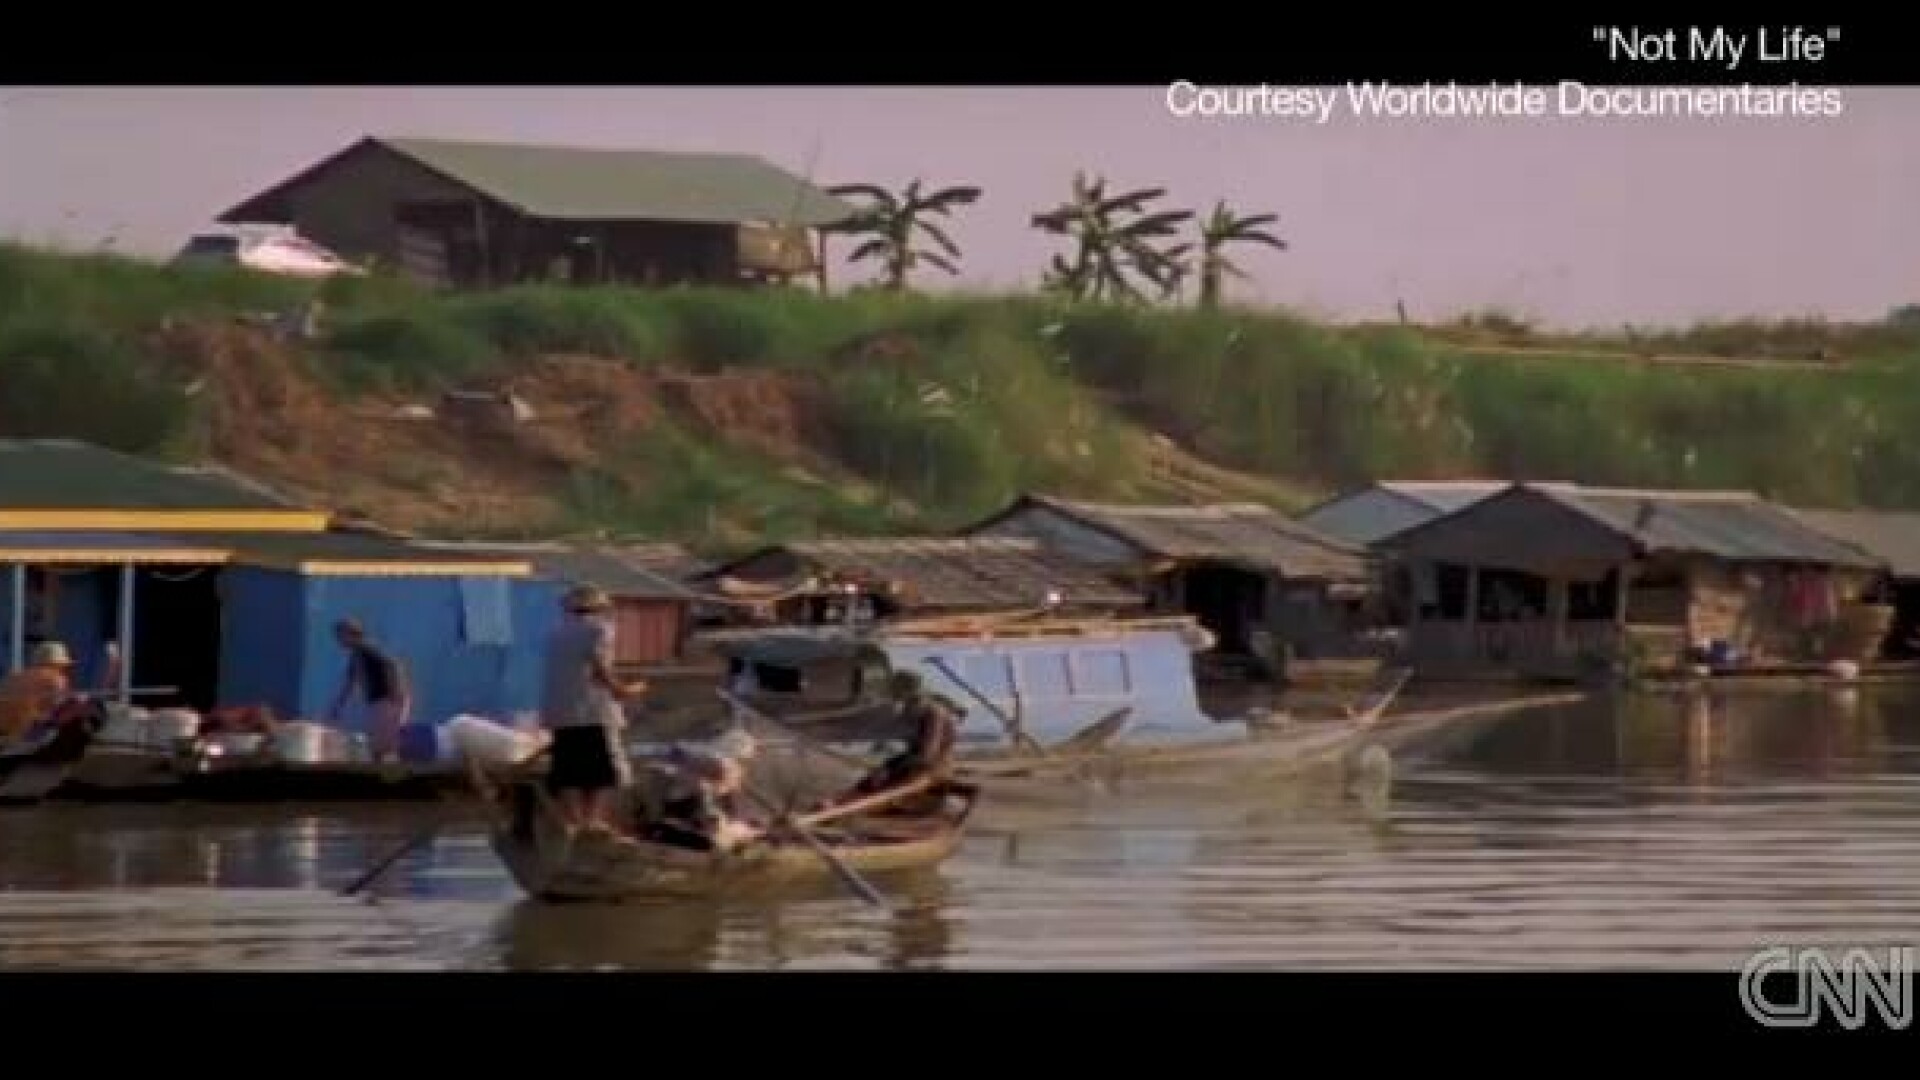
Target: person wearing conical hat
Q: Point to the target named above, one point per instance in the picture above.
(30, 695)
(583, 705)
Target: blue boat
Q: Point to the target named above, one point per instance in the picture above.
(1046, 679)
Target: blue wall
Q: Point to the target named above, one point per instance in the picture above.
(85, 614)
(1066, 683)
(6, 615)
(262, 651)
(279, 646)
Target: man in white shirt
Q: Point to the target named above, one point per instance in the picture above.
(583, 705)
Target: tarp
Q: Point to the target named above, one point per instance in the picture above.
(486, 611)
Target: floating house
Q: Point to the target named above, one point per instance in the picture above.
(1260, 582)
(1556, 580)
(483, 214)
(1893, 538)
(876, 579)
(1052, 678)
(219, 593)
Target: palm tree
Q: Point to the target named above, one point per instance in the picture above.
(1223, 228)
(1113, 240)
(893, 224)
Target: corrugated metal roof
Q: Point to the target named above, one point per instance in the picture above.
(621, 571)
(1891, 536)
(1735, 526)
(1245, 533)
(958, 572)
(1366, 517)
(35, 545)
(63, 474)
(654, 185)
(1447, 496)
(345, 547)
(670, 561)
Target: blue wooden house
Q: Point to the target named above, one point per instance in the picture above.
(219, 593)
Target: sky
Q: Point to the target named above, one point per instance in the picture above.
(1580, 222)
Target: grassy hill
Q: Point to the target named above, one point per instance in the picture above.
(721, 416)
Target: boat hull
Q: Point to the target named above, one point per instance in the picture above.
(551, 865)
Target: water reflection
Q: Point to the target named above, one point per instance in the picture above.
(1635, 831)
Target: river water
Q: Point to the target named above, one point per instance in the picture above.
(1639, 833)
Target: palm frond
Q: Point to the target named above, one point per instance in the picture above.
(879, 246)
(936, 259)
(872, 191)
(946, 198)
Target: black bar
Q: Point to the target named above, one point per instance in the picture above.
(1037, 45)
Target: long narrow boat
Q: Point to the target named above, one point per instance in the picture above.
(551, 863)
(1046, 700)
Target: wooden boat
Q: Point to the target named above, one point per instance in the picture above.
(39, 763)
(870, 836)
(79, 764)
(1049, 700)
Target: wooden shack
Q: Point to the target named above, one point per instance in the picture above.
(1554, 580)
(473, 214)
(1893, 538)
(1267, 587)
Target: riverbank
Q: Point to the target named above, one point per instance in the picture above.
(724, 418)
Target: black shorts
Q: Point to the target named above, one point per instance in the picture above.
(583, 760)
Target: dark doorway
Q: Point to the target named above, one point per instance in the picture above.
(1903, 637)
(1228, 602)
(176, 636)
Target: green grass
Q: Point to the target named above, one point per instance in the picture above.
(948, 406)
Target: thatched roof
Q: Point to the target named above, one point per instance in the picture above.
(957, 573)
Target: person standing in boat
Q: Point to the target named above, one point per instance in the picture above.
(583, 705)
(382, 682)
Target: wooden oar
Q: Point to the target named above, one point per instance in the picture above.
(860, 886)
(379, 869)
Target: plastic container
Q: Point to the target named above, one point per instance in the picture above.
(419, 744)
(238, 743)
(489, 743)
(127, 727)
(167, 726)
(302, 743)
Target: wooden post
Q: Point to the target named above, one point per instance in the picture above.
(820, 271)
(1473, 614)
(480, 239)
(17, 620)
(1557, 612)
(126, 633)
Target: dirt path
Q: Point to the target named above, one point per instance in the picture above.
(1621, 356)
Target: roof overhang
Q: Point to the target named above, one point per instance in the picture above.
(168, 521)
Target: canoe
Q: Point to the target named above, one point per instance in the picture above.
(550, 865)
(1101, 754)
